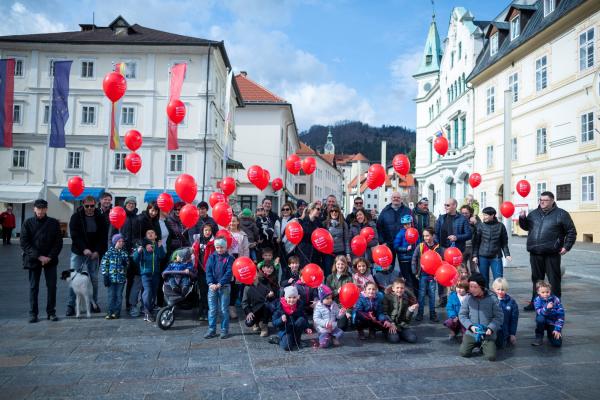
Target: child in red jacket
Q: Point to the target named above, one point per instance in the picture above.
(203, 247)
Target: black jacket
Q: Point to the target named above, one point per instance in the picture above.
(40, 237)
(388, 223)
(95, 242)
(255, 297)
(147, 223)
(178, 237)
(491, 240)
(548, 231)
(197, 229)
(131, 231)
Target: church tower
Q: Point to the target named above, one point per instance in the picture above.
(329, 146)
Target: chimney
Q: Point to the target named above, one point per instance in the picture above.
(243, 73)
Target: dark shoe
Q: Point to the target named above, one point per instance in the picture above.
(108, 316)
(433, 317)
(538, 341)
(371, 333)
(529, 307)
(210, 335)
(70, 311)
(203, 318)
(273, 340)
(225, 335)
(96, 310)
(361, 335)
(443, 302)
(33, 319)
(419, 317)
(53, 318)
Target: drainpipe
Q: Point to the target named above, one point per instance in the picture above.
(285, 171)
(205, 122)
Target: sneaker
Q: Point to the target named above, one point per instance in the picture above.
(529, 307)
(52, 318)
(96, 310)
(538, 341)
(264, 329)
(108, 316)
(224, 335)
(210, 335)
(115, 316)
(419, 317)
(70, 311)
(149, 318)
(202, 318)
(433, 317)
(33, 319)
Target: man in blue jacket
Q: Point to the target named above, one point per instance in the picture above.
(389, 223)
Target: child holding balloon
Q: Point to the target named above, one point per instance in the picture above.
(289, 319)
(326, 315)
(399, 306)
(404, 250)
(339, 277)
(427, 285)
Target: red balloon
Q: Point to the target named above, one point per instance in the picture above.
(176, 111)
(222, 213)
(133, 162)
(227, 185)
(447, 275)
(312, 275)
(165, 202)
(256, 176)
(430, 261)
(244, 270)
(114, 86)
(227, 235)
(293, 164)
(322, 240)
(309, 165)
(189, 215)
(401, 164)
(382, 256)
(294, 232)
(453, 256)
(358, 244)
(76, 186)
(375, 176)
(411, 235)
(117, 216)
(368, 233)
(277, 184)
(440, 144)
(133, 139)
(217, 197)
(186, 187)
(266, 179)
(507, 209)
(523, 188)
(474, 180)
(349, 293)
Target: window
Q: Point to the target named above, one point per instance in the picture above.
(494, 44)
(490, 156)
(18, 67)
(463, 129)
(515, 27)
(459, 50)
(176, 163)
(130, 70)
(541, 141)
(491, 107)
(586, 49)
(513, 85)
(587, 127)
(587, 188)
(73, 160)
(128, 116)
(120, 161)
(541, 74)
(19, 158)
(248, 202)
(300, 188)
(540, 188)
(368, 196)
(548, 7)
(455, 133)
(17, 113)
(452, 59)
(87, 69)
(430, 151)
(483, 200)
(88, 115)
(46, 116)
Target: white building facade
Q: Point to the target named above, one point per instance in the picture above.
(326, 180)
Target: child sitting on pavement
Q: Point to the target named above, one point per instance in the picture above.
(325, 317)
(255, 305)
(549, 316)
(507, 335)
(455, 300)
(399, 304)
(289, 320)
(368, 312)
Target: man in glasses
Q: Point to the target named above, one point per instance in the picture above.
(358, 205)
(389, 223)
(551, 235)
(88, 230)
(423, 217)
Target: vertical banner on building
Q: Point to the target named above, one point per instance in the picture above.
(60, 106)
(7, 86)
(115, 114)
(177, 77)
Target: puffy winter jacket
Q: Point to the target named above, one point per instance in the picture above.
(149, 261)
(555, 315)
(114, 264)
(453, 305)
(481, 310)
(341, 236)
(548, 231)
(366, 305)
(388, 223)
(336, 283)
(146, 223)
(491, 240)
(510, 309)
(324, 314)
(401, 246)
(218, 269)
(248, 225)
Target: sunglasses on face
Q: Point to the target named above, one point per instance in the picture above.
(447, 205)
(358, 203)
(89, 205)
(285, 209)
(177, 209)
(335, 211)
(260, 209)
(318, 208)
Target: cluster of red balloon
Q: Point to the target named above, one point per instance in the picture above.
(445, 272)
(133, 141)
(294, 164)
(258, 176)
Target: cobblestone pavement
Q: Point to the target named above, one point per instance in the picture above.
(132, 359)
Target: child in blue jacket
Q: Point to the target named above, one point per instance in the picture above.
(114, 269)
(404, 252)
(218, 277)
(149, 256)
(549, 316)
(507, 335)
(457, 296)
(289, 320)
(368, 312)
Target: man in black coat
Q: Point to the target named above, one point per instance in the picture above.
(41, 241)
(551, 235)
(88, 230)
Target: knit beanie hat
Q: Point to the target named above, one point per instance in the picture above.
(221, 242)
(116, 238)
(324, 291)
(478, 279)
(131, 199)
(246, 212)
(290, 291)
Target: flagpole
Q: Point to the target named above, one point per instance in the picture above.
(167, 131)
(49, 132)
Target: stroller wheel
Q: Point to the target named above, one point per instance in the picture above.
(165, 317)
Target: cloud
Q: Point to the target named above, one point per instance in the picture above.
(402, 69)
(20, 20)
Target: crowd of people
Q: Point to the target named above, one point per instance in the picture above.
(153, 252)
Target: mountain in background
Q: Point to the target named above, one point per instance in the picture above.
(350, 137)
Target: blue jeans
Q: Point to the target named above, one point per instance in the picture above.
(150, 284)
(78, 263)
(427, 285)
(214, 298)
(115, 298)
(484, 267)
(543, 324)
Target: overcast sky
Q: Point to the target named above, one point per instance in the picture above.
(333, 60)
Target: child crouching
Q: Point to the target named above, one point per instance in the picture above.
(325, 317)
(255, 305)
(455, 300)
(290, 321)
(549, 316)
(368, 311)
(398, 307)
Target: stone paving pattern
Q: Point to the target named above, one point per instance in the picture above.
(132, 359)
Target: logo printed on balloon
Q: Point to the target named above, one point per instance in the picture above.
(244, 270)
(322, 240)
(358, 244)
(523, 187)
(401, 164)
(293, 164)
(165, 202)
(474, 180)
(447, 275)
(312, 275)
(217, 197)
(176, 111)
(133, 162)
(277, 184)
(382, 256)
(453, 256)
(294, 232)
(117, 216)
(411, 235)
(76, 186)
(222, 214)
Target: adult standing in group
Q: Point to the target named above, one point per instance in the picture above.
(422, 217)
(41, 241)
(88, 230)
(269, 213)
(300, 207)
(467, 212)
(551, 235)
(265, 220)
(178, 234)
(311, 221)
(363, 220)
(489, 243)
(104, 206)
(358, 205)
(150, 219)
(8, 222)
(203, 219)
(338, 229)
(389, 223)
(285, 246)
(451, 230)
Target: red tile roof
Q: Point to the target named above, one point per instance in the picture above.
(252, 92)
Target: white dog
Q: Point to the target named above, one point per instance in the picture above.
(81, 284)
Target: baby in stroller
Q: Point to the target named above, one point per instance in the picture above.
(179, 274)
